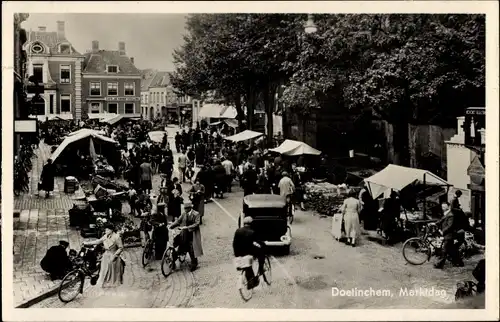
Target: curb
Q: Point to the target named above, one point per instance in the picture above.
(38, 298)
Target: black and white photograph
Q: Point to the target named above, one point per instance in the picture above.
(249, 160)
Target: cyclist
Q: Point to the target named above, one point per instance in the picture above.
(245, 243)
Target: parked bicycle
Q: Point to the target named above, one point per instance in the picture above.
(148, 253)
(86, 263)
(244, 262)
(418, 250)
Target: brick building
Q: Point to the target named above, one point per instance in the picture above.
(111, 82)
(55, 65)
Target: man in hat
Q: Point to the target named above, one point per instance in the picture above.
(56, 261)
(245, 243)
(190, 236)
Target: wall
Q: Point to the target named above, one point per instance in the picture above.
(460, 158)
(121, 93)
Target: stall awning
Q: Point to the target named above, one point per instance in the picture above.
(291, 147)
(112, 120)
(395, 177)
(77, 136)
(156, 136)
(232, 123)
(217, 111)
(243, 136)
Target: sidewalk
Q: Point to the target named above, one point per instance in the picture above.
(41, 224)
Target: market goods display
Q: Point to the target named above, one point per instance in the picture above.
(325, 198)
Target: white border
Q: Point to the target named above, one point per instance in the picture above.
(492, 154)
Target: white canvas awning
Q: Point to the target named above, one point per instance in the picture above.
(77, 136)
(112, 119)
(395, 177)
(217, 111)
(156, 136)
(291, 147)
(243, 136)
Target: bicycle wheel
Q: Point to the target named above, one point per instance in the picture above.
(147, 253)
(268, 273)
(416, 251)
(167, 262)
(71, 286)
(245, 292)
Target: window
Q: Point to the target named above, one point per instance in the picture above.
(112, 108)
(112, 89)
(112, 69)
(38, 73)
(64, 49)
(51, 104)
(37, 49)
(129, 89)
(95, 107)
(65, 103)
(129, 108)
(95, 89)
(65, 74)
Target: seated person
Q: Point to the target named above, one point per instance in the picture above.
(56, 261)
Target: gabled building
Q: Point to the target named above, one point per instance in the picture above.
(111, 82)
(160, 99)
(54, 68)
(147, 78)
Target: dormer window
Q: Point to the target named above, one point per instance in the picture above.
(64, 49)
(113, 69)
(37, 48)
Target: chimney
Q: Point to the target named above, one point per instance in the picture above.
(132, 60)
(60, 29)
(42, 28)
(121, 47)
(95, 45)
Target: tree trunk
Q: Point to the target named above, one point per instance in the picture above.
(250, 106)
(401, 142)
(269, 102)
(240, 117)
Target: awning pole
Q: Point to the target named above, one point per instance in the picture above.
(425, 200)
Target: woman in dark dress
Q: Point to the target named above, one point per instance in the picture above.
(160, 234)
(47, 178)
(175, 202)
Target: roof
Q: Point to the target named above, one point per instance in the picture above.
(77, 136)
(51, 39)
(147, 78)
(160, 79)
(291, 147)
(264, 201)
(395, 177)
(218, 111)
(243, 136)
(95, 63)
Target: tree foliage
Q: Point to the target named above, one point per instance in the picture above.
(407, 67)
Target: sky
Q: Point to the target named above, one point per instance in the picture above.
(149, 38)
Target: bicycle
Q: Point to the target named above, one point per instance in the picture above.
(76, 277)
(167, 261)
(249, 261)
(431, 243)
(148, 253)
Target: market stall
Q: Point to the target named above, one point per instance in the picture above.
(415, 186)
(157, 136)
(295, 148)
(82, 143)
(244, 136)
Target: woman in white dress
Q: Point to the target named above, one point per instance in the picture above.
(350, 213)
(112, 265)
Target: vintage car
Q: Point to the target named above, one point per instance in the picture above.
(270, 221)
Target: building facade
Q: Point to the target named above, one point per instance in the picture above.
(111, 83)
(159, 100)
(21, 108)
(55, 68)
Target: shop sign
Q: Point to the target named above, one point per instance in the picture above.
(25, 126)
(114, 99)
(476, 171)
